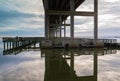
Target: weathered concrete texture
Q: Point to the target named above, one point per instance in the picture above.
(70, 42)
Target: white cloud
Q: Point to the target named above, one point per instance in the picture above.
(112, 1)
(108, 15)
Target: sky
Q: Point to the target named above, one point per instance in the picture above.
(26, 18)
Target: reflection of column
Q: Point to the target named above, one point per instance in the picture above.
(47, 63)
(95, 64)
(72, 64)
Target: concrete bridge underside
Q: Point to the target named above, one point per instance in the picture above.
(56, 13)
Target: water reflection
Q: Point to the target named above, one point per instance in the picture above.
(19, 50)
(56, 65)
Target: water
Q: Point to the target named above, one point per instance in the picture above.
(60, 65)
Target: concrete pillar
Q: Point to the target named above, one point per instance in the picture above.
(56, 30)
(72, 18)
(95, 21)
(60, 19)
(64, 29)
(46, 19)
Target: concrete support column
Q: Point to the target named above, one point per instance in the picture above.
(46, 19)
(95, 21)
(72, 18)
(64, 29)
(56, 29)
(60, 26)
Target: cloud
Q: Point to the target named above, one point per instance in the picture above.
(108, 17)
(25, 66)
(108, 68)
(80, 66)
(29, 14)
(18, 17)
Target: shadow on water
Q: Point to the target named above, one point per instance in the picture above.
(56, 66)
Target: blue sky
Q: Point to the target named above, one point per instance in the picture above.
(26, 18)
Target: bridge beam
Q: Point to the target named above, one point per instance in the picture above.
(75, 13)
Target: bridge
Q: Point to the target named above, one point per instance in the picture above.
(56, 14)
(57, 11)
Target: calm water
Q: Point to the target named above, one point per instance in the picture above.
(30, 64)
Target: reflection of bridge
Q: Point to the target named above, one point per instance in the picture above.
(56, 66)
(57, 69)
(84, 51)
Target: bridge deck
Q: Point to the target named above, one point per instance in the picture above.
(60, 5)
